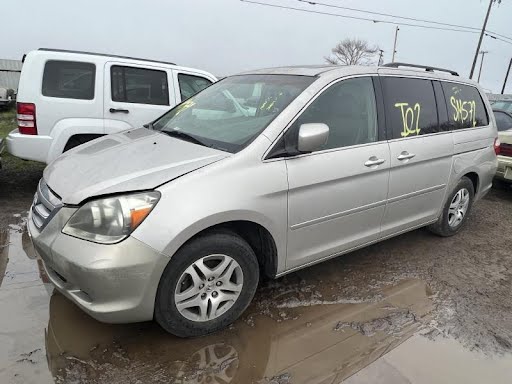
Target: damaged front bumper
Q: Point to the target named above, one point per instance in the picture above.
(114, 283)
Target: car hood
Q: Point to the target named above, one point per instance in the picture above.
(128, 161)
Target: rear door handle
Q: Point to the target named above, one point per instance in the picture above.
(117, 110)
(405, 156)
(374, 161)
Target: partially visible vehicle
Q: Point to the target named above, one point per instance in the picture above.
(66, 98)
(504, 124)
(7, 98)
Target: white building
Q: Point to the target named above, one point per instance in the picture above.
(10, 71)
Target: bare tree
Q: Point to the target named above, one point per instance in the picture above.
(352, 52)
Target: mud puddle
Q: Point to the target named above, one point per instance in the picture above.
(303, 349)
(444, 361)
(23, 311)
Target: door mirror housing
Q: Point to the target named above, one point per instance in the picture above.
(312, 137)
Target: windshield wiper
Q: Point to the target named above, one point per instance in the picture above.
(185, 136)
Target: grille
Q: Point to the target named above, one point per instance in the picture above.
(506, 150)
(46, 205)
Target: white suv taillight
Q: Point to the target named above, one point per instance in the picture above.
(26, 116)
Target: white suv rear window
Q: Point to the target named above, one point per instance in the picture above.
(69, 80)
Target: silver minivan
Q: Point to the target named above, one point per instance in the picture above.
(260, 174)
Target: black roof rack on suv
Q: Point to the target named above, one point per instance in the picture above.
(103, 54)
(425, 67)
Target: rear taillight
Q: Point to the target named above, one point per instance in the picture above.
(497, 144)
(26, 116)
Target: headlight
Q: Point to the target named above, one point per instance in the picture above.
(111, 220)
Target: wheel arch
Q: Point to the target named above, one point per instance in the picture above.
(475, 180)
(255, 234)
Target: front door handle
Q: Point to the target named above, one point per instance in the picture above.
(117, 110)
(374, 161)
(405, 156)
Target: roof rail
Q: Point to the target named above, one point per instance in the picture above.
(425, 67)
(103, 54)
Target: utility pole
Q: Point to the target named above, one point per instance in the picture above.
(506, 77)
(481, 64)
(394, 45)
(380, 57)
(480, 39)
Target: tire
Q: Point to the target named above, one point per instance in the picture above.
(184, 282)
(443, 227)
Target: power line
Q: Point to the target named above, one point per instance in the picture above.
(355, 17)
(386, 14)
(375, 21)
(497, 38)
(398, 17)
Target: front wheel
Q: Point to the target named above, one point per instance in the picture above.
(207, 285)
(455, 210)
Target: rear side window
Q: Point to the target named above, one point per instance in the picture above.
(139, 85)
(190, 85)
(465, 106)
(69, 80)
(503, 121)
(411, 108)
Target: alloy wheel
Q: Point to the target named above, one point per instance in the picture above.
(209, 287)
(458, 207)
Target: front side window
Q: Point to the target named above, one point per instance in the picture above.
(69, 80)
(348, 108)
(410, 105)
(190, 85)
(465, 106)
(503, 121)
(216, 118)
(139, 85)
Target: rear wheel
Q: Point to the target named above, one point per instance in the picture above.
(207, 285)
(455, 210)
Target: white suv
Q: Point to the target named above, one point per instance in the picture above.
(67, 98)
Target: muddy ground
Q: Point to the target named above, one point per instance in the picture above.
(318, 325)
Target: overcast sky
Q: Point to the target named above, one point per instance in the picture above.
(228, 36)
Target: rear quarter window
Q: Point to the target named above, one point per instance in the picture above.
(69, 80)
(410, 105)
(465, 106)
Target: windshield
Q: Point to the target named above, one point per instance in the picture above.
(503, 105)
(231, 113)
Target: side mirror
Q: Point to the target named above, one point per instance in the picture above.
(312, 137)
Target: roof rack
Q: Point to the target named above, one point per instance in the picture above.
(103, 54)
(425, 67)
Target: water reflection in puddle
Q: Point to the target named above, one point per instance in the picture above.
(309, 327)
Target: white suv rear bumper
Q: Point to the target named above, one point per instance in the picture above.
(28, 147)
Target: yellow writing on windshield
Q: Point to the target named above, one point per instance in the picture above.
(464, 110)
(270, 101)
(409, 116)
